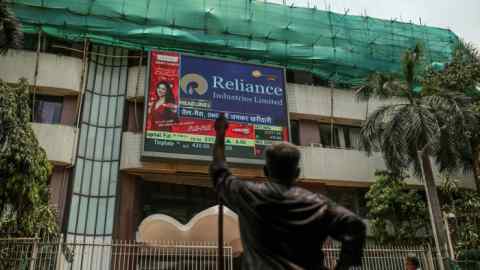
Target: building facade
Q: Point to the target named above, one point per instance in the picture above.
(88, 115)
(88, 91)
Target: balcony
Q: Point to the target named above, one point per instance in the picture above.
(58, 141)
(331, 164)
(353, 167)
(334, 166)
(57, 74)
(317, 101)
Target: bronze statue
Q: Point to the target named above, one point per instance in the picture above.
(283, 226)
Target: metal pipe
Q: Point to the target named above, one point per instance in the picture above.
(220, 261)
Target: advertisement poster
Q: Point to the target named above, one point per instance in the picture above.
(186, 93)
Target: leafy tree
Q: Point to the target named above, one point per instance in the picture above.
(421, 125)
(10, 33)
(462, 206)
(462, 75)
(24, 168)
(396, 212)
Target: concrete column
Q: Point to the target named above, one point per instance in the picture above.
(129, 212)
(58, 189)
(69, 110)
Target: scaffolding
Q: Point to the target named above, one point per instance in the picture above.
(336, 47)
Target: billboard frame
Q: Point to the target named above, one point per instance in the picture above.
(149, 155)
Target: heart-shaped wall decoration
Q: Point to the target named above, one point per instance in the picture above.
(201, 228)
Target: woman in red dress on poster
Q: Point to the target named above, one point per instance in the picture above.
(164, 110)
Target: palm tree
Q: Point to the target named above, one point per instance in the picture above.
(419, 126)
(10, 33)
(462, 74)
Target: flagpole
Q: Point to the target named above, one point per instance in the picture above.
(221, 125)
(220, 251)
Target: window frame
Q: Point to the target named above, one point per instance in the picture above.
(46, 99)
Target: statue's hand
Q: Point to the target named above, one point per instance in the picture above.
(221, 124)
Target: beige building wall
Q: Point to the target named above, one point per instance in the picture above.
(59, 141)
(56, 72)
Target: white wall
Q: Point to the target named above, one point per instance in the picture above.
(308, 99)
(316, 100)
(131, 151)
(133, 78)
(55, 71)
(58, 141)
(356, 166)
(339, 164)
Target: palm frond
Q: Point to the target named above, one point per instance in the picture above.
(440, 119)
(467, 51)
(458, 124)
(380, 86)
(393, 144)
(373, 126)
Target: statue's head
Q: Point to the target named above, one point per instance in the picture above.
(282, 163)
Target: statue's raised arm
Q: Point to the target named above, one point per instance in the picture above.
(221, 126)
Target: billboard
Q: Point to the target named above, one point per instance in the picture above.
(186, 93)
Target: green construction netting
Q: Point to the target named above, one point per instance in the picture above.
(336, 47)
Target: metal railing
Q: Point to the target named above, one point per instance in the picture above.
(36, 254)
(457, 226)
(380, 257)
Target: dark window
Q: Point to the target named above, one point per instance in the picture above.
(327, 139)
(30, 42)
(134, 58)
(362, 202)
(290, 77)
(301, 77)
(346, 136)
(133, 120)
(295, 132)
(354, 137)
(47, 109)
(351, 137)
(304, 77)
(317, 81)
(343, 136)
(181, 202)
(350, 198)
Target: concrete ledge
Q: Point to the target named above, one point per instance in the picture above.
(59, 141)
(349, 167)
(339, 164)
(57, 74)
